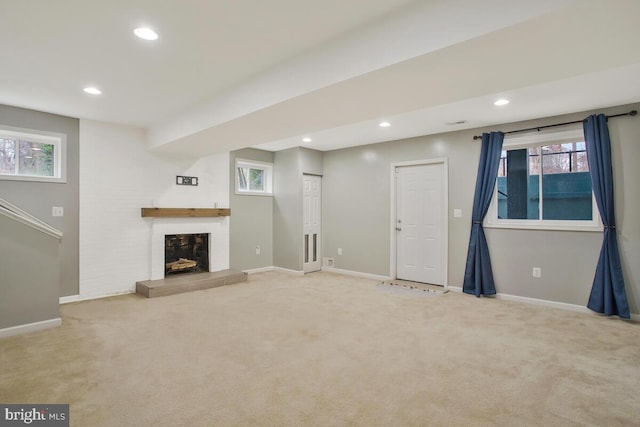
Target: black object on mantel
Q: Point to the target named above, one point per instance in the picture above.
(186, 180)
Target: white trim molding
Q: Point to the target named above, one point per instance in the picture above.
(354, 273)
(326, 269)
(393, 267)
(491, 220)
(57, 140)
(259, 270)
(30, 327)
(78, 298)
(273, 268)
(267, 169)
(288, 271)
(545, 303)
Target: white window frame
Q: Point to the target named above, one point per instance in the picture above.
(59, 142)
(255, 164)
(528, 141)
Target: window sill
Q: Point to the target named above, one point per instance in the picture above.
(252, 193)
(31, 178)
(549, 226)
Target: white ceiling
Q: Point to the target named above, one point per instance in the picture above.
(232, 74)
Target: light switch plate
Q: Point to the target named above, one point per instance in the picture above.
(57, 211)
(457, 213)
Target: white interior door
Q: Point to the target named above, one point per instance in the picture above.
(420, 223)
(312, 203)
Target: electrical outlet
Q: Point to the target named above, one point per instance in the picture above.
(457, 213)
(339, 251)
(328, 262)
(537, 272)
(258, 250)
(57, 211)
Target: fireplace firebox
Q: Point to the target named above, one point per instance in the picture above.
(186, 253)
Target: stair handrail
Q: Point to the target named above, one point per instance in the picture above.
(10, 210)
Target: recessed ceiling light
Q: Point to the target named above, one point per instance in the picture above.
(306, 139)
(93, 90)
(145, 33)
(501, 102)
(384, 124)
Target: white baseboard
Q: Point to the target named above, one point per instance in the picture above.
(545, 303)
(329, 269)
(286, 270)
(258, 270)
(355, 273)
(70, 298)
(77, 298)
(30, 327)
(273, 268)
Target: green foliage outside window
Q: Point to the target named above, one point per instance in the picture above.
(256, 181)
(250, 179)
(19, 157)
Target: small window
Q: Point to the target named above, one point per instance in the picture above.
(253, 177)
(543, 182)
(27, 155)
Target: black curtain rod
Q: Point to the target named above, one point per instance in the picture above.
(538, 128)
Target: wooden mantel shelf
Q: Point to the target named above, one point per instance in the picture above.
(185, 212)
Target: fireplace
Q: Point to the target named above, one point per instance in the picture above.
(216, 229)
(186, 253)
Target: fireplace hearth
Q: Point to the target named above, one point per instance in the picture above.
(186, 253)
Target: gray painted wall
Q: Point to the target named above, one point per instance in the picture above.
(356, 215)
(29, 275)
(287, 210)
(625, 135)
(289, 166)
(251, 220)
(357, 197)
(311, 162)
(38, 198)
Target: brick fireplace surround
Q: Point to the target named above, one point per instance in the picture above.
(217, 228)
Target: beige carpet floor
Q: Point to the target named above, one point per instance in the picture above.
(326, 350)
